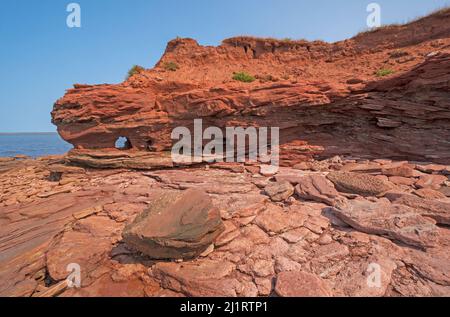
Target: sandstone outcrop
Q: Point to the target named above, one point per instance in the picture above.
(307, 89)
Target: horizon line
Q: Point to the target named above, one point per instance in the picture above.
(49, 132)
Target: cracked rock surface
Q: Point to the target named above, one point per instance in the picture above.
(264, 248)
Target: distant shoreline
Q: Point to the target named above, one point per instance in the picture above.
(27, 133)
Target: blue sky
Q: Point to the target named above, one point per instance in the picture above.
(40, 57)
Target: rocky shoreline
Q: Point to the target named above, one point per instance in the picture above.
(322, 223)
(359, 207)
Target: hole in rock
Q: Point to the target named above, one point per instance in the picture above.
(150, 146)
(123, 143)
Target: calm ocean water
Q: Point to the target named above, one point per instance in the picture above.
(32, 144)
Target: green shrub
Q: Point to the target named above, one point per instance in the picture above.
(136, 69)
(243, 77)
(171, 66)
(384, 72)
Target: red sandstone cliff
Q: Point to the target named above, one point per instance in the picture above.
(326, 98)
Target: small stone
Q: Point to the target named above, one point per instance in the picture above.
(269, 170)
(402, 171)
(296, 235)
(397, 180)
(279, 191)
(354, 81)
(252, 169)
(263, 268)
(428, 193)
(284, 264)
(431, 181)
(317, 188)
(264, 286)
(303, 166)
(325, 239)
(431, 168)
(207, 251)
(87, 212)
(445, 191)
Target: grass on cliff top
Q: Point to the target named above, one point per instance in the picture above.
(171, 66)
(244, 77)
(438, 12)
(384, 72)
(136, 69)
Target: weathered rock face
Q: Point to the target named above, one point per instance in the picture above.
(309, 90)
(176, 226)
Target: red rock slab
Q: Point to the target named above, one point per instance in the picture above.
(394, 221)
(78, 248)
(199, 278)
(106, 287)
(23, 242)
(366, 277)
(439, 211)
(317, 188)
(279, 191)
(275, 220)
(406, 170)
(431, 181)
(398, 180)
(301, 284)
(433, 168)
(428, 193)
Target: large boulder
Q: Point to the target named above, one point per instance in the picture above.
(279, 191)
(178, 225)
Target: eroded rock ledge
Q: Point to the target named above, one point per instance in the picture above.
(325, 98)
